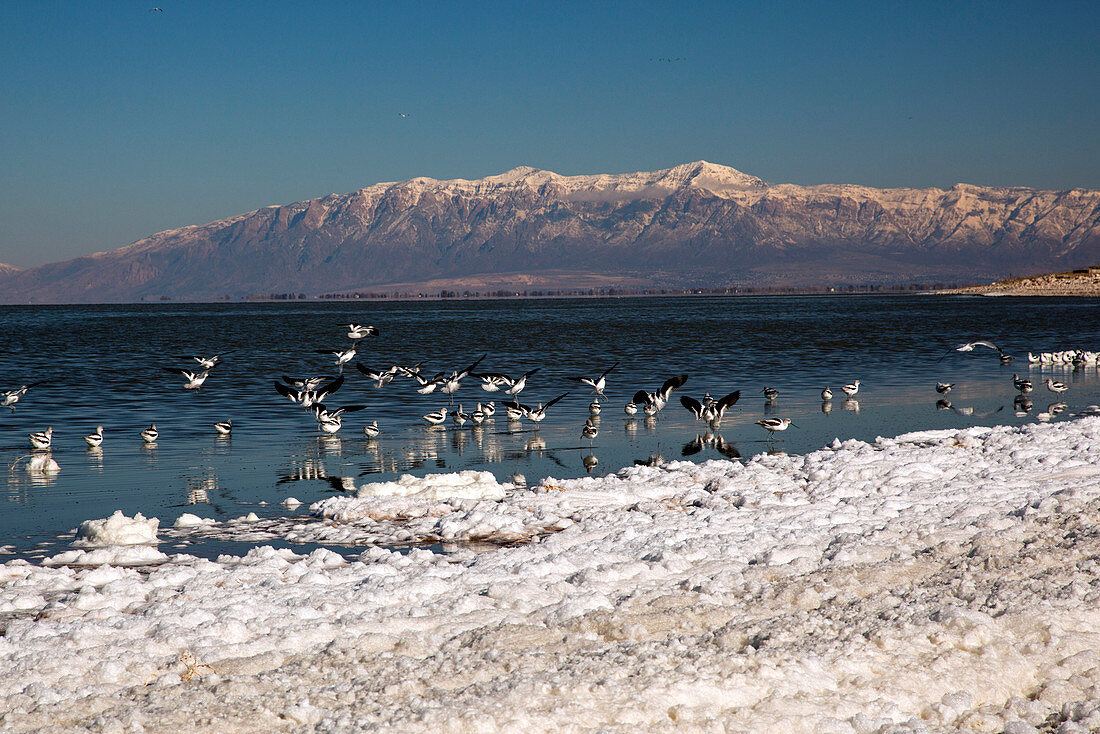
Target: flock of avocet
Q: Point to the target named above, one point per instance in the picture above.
(311, 393)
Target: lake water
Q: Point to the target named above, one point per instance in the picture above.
(103, 365)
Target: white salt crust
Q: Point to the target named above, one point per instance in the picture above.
(937, 581)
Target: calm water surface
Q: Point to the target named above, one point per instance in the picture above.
(103, 365)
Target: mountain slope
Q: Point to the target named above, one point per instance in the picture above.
(694, 224)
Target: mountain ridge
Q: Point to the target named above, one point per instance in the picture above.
(695, 224)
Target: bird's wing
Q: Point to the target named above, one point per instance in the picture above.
(332, 386)
(729, 400)
(672, 383)
(470, 369)
(609, 369)
(286, 391)
(547, 405)
(692, 447)
(516, 405)
(348, 409)
(640, 398)
(693, 405)
(991, 345)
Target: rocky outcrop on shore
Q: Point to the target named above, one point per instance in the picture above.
(1084, 282)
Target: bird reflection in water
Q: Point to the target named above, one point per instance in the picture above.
(198, 490)
(630, 427)
(589, 462)
(826, 406)
(710, 441)
(851, 404)
(329, 445)
(94, 454)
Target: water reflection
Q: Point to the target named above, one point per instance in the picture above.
(710, 441)
(198, 490)
(94, 455)
(590, 461)
(851, 404)
(826, 406)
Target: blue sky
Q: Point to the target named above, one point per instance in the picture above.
(120, 121)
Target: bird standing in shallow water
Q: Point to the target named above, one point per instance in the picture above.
(371, 430)
(851, 388)
(224, 427)
(826, 394)
(436, 417)
(774, 424)
(1056, 386)
(944, 387)
(150, 434)
(770, 393)
(95, 439)
(42, 439)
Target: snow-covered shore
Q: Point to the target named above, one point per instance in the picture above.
(936, 581)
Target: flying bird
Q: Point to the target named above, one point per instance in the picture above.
(653, 402)
(596, 383)
(710, 410)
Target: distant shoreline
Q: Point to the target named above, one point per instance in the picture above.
(1082, 283)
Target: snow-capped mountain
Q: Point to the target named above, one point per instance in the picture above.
(696, 224)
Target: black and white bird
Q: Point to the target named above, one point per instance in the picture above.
(658, 399)
(970, 346)
(1054, 386)
(451, 384)
(9, 398)
(1022, 384)
(380, 377)
(343, 356)
(194, 379)
(96, 438)
(436, 417)
(493, 381)
(224, 428)
(371, 429)
(330, 421)
(41, 439)
(536, 414)
(770, 393)
(771, 425)
(208, 363)
(590, 430)
(594, 407)
(429, 386)
(826, 394)
(490, 409)
(355, 331)
(944, 387)
(150, 434)
(596, 383)
(630, 409)
(307, 398)
(851, 388)
(477, 417)
(459, 417)
(710, 410)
